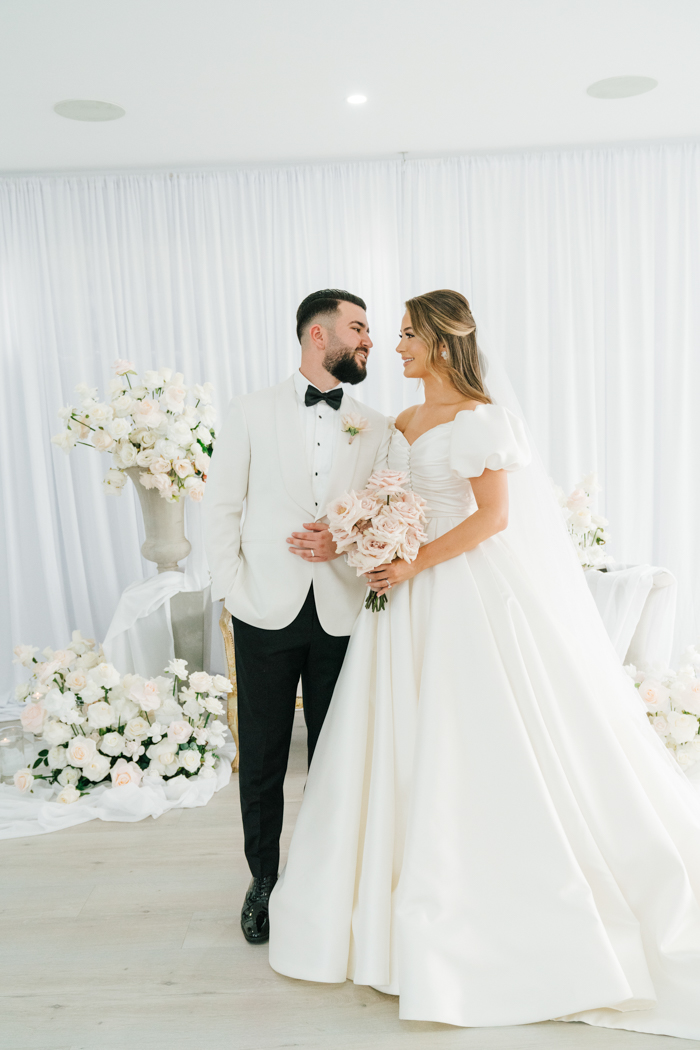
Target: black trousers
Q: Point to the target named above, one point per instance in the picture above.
(268, 667)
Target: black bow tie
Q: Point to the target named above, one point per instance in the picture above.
(331, 397)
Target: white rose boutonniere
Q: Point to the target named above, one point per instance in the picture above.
(353, 424)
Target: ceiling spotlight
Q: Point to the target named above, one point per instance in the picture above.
(356, 100)
(88, 109)
(621, 87)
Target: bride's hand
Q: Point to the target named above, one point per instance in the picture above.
(388, 576)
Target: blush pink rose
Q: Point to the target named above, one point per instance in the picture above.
(124, 773)
(384, 482)
(33, 717)
(146, 694)
(148, 414)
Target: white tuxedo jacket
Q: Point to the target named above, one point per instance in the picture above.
(259, 464)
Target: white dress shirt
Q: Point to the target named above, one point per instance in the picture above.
(320, 427)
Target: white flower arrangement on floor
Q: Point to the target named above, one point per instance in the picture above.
(587, 530)
(99, 726)
(147, 424)
(672, 702)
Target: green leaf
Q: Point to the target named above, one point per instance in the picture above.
(37, 763)
(43, 753)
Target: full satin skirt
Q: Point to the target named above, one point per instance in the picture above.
(480, 835)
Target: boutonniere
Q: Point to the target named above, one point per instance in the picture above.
(353, 424)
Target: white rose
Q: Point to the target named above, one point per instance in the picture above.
(145, 457)
(24, 654)
(160, 465)
(112, 744)
(209, 759)
(190, 759)
(89, 660)
(173, 398)
(122, 404)
(201, 682)
(180, 433)
(113, 482)
(202, 461)
(69, 776)
(66, 440)
(81, 749)
(183, 468)
(213, 704)
(121, 367)
(179, 732)
(77, 681)
(68, 794)
(33, 717)
(164, 755)
(152, 378)
(178, 668)
(136, 728)
(57, 757)
(124, 773)
(56, 733)
(97, 767)
(105, 676)
(195, 488)
(682, 727)
(206, 773)
(125, 455)
(146, 694)
(654, 694)
(165, 374)
(23, 779)
(86, 391)
(221, 684)
(119, 428)
(102, 440)
(146, 413)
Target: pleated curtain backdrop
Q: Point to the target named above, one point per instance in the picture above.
(582, 268)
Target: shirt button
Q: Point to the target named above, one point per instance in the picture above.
(316, 473)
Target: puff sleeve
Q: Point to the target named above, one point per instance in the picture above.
(489, 436)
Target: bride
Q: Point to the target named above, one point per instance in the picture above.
(491, 830)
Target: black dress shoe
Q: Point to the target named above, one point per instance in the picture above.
(255, 917)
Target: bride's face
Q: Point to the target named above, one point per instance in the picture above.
(413, 351)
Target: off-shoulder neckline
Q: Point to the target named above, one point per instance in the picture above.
(439, 425)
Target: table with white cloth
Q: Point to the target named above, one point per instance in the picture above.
(638, 606)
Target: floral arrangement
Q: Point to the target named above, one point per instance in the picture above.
(587, 530)
(672, 702)
(147, 424)
(383, 522)
(99, 726)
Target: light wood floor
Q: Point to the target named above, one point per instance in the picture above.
(126, 936)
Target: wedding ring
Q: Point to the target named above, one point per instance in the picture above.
(313, 555)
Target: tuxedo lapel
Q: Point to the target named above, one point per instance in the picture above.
(290, 446)
(345, 459)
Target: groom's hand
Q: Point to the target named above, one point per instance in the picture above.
(316, 544)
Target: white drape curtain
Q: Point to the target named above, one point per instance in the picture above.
(582, 268)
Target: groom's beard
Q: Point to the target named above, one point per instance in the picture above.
(343, 365)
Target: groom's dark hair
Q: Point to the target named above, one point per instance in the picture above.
(325, 302)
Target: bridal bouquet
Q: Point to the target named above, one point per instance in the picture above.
(99, 726)
(146, 424)
(672, 702)
(372, 527)
(587, 530)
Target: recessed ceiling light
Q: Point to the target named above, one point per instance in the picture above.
(356, 100)
(621, 87)
(88, 109)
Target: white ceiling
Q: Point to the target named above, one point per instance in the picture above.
(225, 82)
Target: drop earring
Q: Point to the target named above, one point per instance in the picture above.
(444, 354)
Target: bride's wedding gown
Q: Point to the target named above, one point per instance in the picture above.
(479, 835)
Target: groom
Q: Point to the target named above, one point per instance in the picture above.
(284, 453)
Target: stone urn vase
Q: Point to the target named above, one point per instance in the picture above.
(166, 543)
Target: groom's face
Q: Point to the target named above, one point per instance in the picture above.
(348, 345)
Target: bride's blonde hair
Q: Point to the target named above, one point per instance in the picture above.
(443, 320)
